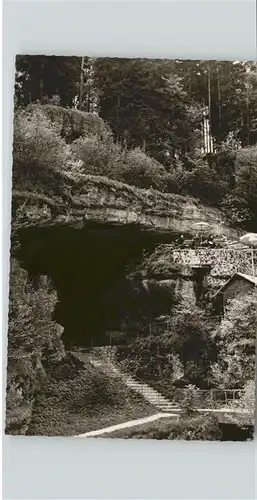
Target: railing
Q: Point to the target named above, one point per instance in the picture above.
(210, 398)
(194, 398)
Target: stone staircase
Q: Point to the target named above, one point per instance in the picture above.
(149, 394)
(146, 391)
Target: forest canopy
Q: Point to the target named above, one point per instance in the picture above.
(154, 111)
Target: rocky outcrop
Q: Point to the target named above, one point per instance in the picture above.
(198, 274)
(89, 233)
(71, 123)
(100, 200)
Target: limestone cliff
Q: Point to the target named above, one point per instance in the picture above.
(198, 273)
(101, 200)
(91, 233)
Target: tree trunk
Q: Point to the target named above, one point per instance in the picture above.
(219, 97)
(118, 119)
(41, 85)
(81, 82)
(209, 108)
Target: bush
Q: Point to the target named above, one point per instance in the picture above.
(246, 179)
(72, 123)
(143, 171)
(39, 151)
(240, 202)
(32, 337)
(236, 210)
(86, 392)
(99, 155)
(235, 337)
(86, 399)
(204, 183)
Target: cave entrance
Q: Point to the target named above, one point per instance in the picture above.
(89, 269)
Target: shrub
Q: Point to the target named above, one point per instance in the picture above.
(77, 398)
(143, 171)
(72, 123)
(32, 336)
(197, 428)
(236, 209)
(204, 183)
(86, 392)
(246, 179)
(38, 149)
(99, 155)
(236, 339)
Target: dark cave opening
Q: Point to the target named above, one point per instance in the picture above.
(89, 269)
(199, 274)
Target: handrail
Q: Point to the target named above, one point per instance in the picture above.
(209, 403)
(166, 323)
(184, 392)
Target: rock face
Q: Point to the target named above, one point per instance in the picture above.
(199, 273)
(101, 200)
(88, 235)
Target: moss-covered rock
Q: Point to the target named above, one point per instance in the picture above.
(72, 123)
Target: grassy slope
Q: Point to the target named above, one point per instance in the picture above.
(61, 409)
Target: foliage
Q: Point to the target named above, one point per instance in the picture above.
(33, 337)
(193, 344)
(247, 399)
(246, 180)
(72, 123)
(84, 399)
(101, 156)
(236, 338)
(187, 335)
(39, 152)
(189, 402)
(233, 87)
(143, 171)
(157, 104)
(145, 107)
(49, 141)
(42, 78)
(236, 210)
(204, 183)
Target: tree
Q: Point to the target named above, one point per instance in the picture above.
(227, 89)
(40, 78)
(153, 356)
(246, 179)
(193, 343)
(144, 107)
(236, 337)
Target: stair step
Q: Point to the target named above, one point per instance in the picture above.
(150, 394)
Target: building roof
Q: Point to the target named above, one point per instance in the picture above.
(247, 277)
(252, 279)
